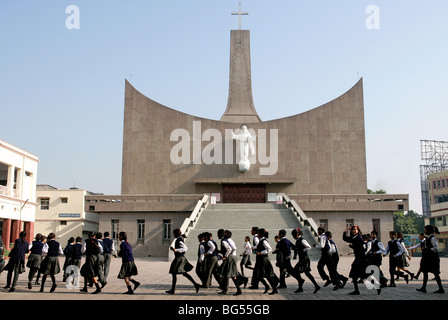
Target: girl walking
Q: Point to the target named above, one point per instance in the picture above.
(37, 249)
(16, 263)
(180, 264)
(228, 267)
(430, 259)
(304, 265)
(50, 264)
(263, 266)
(128, 267)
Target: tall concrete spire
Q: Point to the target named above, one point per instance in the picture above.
(240, 104)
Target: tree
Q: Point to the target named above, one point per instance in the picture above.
(410, 223)
(381, 191)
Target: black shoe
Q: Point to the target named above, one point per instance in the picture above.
(299, 290)
(406, 278)
(245, 281)
(238, 293)
(378, 291)
(317, 288)
(84, 289)
(266, 289)
(337, 287)
(129, 292)
(392, 285)
(273, 292)
(253, 287)
(98, 290)
(30, 286)
(355, 293)
(170, 291)
(421, 290)
(223, 292)
(327, 283)
(6, 287)
(136, 285)
(12, 289)
(411, 276)
(53, 287)
(439, 291)
(103, 284)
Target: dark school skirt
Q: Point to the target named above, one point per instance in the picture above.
(127, 270)
(34, 261)
(50, 266)
(303, 265)
(180, 265)
(263, 267)
(358, 268)
(430, 262)
(228, 268)
(15, 266)
(89, 268)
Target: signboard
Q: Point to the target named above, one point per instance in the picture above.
(69, 215)
(217, 196)
(212, 200)
(272, 197)
(410, 239)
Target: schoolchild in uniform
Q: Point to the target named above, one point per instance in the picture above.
(211, 260)
(180, 264)
(200, 265)
(395, 251)
(304, 265)
(109, 249)
(101, 258)
(247, 251)
(50, 264)
(68, 252)
(44, 253)
(431, 259)
(374, 255)
(16, 263)
(263, 267)
(255, 241)
(228, 267)
(326, 261)
(402, 263)
(335, 257)
(89, 269)
(35, 258)
(421, 245)
(353, 236)
(283, 251)
(128, 267)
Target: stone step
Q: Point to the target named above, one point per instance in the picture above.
(239, 219)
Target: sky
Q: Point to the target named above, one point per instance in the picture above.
(62, 88)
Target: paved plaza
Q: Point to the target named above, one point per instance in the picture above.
(155, 280)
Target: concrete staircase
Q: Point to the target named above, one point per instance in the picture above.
(240, 218)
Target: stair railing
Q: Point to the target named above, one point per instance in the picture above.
(191, 221)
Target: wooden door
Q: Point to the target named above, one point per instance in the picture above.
(244, 193)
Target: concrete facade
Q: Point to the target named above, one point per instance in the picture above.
(18, 176)
(63, 211)
(170, 158)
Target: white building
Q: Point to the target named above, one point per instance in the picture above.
(18, 176)
(62, 211)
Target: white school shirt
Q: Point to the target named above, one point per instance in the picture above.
(211, 246)
(405, 250)
(380, 246)
(435, 244)
(399, 253)
(183, 247)
(247, 248)
(230, 247)
(306, 245)
(267, 247)
(201, 253)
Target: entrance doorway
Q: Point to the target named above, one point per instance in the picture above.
(244, 193)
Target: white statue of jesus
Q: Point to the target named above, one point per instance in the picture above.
(247, 147)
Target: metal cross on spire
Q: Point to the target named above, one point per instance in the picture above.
(239, 14)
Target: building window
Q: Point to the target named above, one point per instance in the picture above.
(438, 184)
(3, 175)
(323, 223)
(376, 227)
(115, 229)
(63, 223)
(443, 183)
(45, 204)
(349, 223)
(434, 185)
(166, 232)
(140, 229)
(91, 208)
(64, 200)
